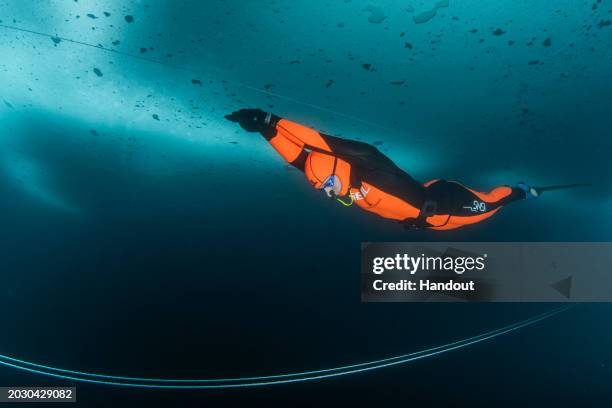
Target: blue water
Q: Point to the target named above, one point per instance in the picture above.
(143, 234)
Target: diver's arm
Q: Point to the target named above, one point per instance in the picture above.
(293, 141)
(290, 139)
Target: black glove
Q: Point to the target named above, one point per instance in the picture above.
(251, 120)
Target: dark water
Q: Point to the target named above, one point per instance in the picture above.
(142, 234)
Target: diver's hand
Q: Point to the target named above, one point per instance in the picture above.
(251, 120)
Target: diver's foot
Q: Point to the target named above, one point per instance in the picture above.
(530, 192)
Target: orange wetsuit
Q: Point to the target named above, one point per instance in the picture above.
(376, 184)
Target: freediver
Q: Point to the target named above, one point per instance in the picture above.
(356, 172)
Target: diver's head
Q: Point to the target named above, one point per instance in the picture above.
(332, 186)
(328, 173)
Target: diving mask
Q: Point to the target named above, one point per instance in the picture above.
(332, 186)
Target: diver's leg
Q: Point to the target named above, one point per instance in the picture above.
(458, 205)
(474, 202)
